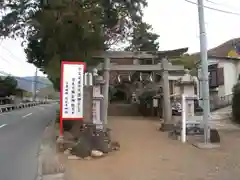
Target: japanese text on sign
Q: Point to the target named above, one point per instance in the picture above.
(72, 95)
(96, 115)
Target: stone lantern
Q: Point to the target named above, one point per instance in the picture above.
(186, 84)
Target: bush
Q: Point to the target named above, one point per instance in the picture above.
(57, 115)
(146, 101)
(236, 103)
(67, 125)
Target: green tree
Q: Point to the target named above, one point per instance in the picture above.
(236, 103)
(188, 61)
(142, 39)
(68, 29)
(8, 86)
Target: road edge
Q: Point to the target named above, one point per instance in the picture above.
(49, 166)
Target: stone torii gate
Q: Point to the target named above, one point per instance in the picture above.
(162, 66)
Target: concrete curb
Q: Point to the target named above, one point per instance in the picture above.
(49, 166)
(11, 107)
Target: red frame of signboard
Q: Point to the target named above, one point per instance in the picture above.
(61, 92)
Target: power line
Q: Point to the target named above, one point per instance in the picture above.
(14, 57)
(215, 9)
(38, 82)
(12, 54)
(222, 4)
(5, 60)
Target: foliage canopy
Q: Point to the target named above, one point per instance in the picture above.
(235, 103)
(188, 61)
(143, 39)
(68, 29)
(8, 86)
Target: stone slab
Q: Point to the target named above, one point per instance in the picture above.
(59, 176)
(206, 145)
(166, 127)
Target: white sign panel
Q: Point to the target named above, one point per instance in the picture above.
(155, 102)
(72, 90)
(96, 91)
(96, 114)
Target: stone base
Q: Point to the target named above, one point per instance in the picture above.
(192, 139)
(53, 177)
(60, 144)
(206, 145)
(165, 127)
(91, 139)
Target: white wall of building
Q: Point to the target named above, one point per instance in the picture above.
(230, 76)
(231, 72)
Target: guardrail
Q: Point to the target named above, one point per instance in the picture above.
(10, 107)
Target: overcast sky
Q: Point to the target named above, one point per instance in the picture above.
(176, 22)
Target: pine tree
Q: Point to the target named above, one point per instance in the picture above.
(142, 39)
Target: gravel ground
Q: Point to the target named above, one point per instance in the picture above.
(49, 164)
(147, 154)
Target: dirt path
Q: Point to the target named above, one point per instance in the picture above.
(147, 154)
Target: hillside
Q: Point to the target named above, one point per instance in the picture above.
(26, 83)
(230, 48)
(223, 49)
(48, 92)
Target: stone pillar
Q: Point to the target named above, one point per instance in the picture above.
(106, 90)
(87, 104)
(167, 109)
(87, 100)
(97, 113)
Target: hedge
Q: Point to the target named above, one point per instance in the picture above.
(67, 125)
(236, 103)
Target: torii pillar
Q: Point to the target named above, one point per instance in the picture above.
(167, 109)
(166, 92)
(164, 67)
(106, 75)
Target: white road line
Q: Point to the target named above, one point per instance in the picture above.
(29, 114)
(3, 125)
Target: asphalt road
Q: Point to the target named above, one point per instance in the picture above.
(20, 136)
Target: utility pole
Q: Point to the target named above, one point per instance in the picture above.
(204, 70)
(34, 91)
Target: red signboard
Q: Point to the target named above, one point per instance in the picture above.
(71, 91)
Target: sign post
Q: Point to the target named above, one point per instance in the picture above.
(71, 93)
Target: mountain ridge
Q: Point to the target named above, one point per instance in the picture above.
(221, 50)
(26, 83)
